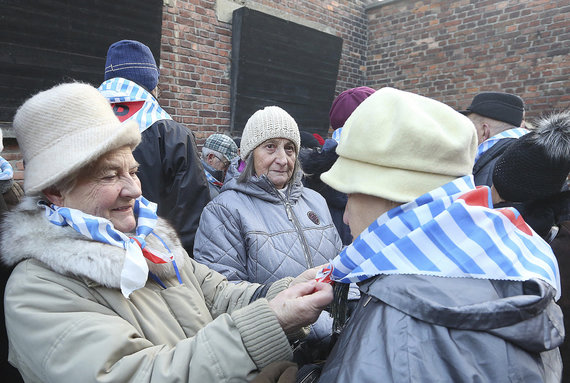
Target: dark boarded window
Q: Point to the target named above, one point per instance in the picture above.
(46, 42)
(278, 62)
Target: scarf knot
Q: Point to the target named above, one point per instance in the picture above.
(134, 273)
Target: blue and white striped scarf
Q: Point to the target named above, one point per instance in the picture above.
(135, 269)
(452, 231)
(488, 144)
(336, 134)
(7, 172)
(121, 90)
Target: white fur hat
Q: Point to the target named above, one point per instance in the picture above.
(398, 146)
(266, 123)
(62, 129)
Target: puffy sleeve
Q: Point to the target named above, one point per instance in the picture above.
(219, 242)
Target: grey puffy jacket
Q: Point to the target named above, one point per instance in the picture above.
(412, 328)
(251, 232)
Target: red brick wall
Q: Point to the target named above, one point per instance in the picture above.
(451, 50)
(196, 53)
(448, 50)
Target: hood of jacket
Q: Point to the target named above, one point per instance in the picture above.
(26, 233)
(261, 187)
(523, 313)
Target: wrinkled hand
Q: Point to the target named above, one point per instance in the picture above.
(301, 304)
(307, 275)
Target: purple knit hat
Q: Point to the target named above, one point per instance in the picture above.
(343, 106)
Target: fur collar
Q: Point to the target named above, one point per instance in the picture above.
(26, 233)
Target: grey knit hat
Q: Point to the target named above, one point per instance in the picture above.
(64, 128)
(266, 123)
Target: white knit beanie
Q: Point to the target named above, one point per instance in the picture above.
(266, 123)
(62, 129)
(398, 146)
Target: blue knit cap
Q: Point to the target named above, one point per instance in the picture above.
(134, 61)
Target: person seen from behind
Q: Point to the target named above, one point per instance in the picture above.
(452, 289)
(531, 176)
(170, 170)
(316, 162)
(498, 119)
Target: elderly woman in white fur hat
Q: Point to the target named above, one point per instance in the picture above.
(103, 290)
(453, 290)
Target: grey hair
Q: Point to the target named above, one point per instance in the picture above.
(553, 133)
(67, 184)
(206, 151)
(495, 125)
(249, 170)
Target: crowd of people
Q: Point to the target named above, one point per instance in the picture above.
(417, 244)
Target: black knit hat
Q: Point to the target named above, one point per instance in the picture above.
(504, 107)
(526, 171)
(308, 140)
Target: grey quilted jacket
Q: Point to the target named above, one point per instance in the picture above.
(251, 232)
(414, 328)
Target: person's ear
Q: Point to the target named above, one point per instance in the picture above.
(483, 132)
(54, 196)
(210, 158)
(486, 131)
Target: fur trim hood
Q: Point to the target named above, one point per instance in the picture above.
(26, 233)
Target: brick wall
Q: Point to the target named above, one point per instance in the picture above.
(450, 50)
(196, 53)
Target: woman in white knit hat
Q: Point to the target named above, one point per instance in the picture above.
(102, 289)
(265, 225)
(453, 290)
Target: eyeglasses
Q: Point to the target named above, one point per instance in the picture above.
(224, 162)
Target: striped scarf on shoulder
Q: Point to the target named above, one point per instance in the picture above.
(132, 102)
(452, 231)
(488, 144)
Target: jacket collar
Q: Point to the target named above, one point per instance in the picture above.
(26, 233)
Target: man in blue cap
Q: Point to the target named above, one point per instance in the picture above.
(170, 170)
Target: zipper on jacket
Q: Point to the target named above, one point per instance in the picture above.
(293, 218)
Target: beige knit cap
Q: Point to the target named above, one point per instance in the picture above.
(398, 146)
(62, 129)
(266, 123)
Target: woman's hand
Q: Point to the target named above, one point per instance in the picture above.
(301, 304)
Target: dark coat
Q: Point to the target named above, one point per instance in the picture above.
(483, 169)
(172, 176)
(314, 163)
(550, 218)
